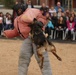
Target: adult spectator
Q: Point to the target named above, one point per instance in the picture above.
(18, 9)
(15, 10)
(44, 8)
(29, 4)
(59, 6)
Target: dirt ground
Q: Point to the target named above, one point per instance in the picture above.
(9, 54)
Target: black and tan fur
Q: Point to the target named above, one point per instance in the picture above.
(42, 43)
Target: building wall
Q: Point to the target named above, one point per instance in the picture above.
(63, 3)
(34, 2)
(74, 3)
(53, 2)
(42, 1)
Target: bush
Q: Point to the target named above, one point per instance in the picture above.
(8, 3)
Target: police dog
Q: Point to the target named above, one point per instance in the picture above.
(42, 42)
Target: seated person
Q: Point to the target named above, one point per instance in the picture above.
(49, 25)
(61, 25)
(70, 28)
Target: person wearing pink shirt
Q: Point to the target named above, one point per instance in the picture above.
(28, 47)
(70, 27)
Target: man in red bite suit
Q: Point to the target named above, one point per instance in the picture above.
(28, 47)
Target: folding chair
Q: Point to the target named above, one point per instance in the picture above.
(56, 34)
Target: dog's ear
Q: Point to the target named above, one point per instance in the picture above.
(40, 24)
(31, 24)
(34, 19)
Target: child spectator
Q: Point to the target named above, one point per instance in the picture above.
(1, 22)
(67, 14)
(70, 28)
(49, 25)
(52, 10)
(63, 15)
(60, 28)
(59, 13)
(8, 22)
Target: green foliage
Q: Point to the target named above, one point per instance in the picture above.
(8, 3)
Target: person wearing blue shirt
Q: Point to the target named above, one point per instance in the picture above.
(59, 6)
(49, 27)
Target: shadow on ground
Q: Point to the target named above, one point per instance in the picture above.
(52, 40)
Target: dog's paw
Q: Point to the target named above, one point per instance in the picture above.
(30, 34)
(59, 59)
(46, 35)
(53, 50)
(41, 50)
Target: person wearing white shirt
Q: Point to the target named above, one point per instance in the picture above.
(52, 10)
(8, 22)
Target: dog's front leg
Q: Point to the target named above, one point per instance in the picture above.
(51, 48)
(57, 56)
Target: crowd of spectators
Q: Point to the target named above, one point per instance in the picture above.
(61, 24)
(5, 22)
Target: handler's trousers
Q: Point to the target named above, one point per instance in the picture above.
(27, 50)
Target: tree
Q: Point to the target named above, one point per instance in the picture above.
(8, 3)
